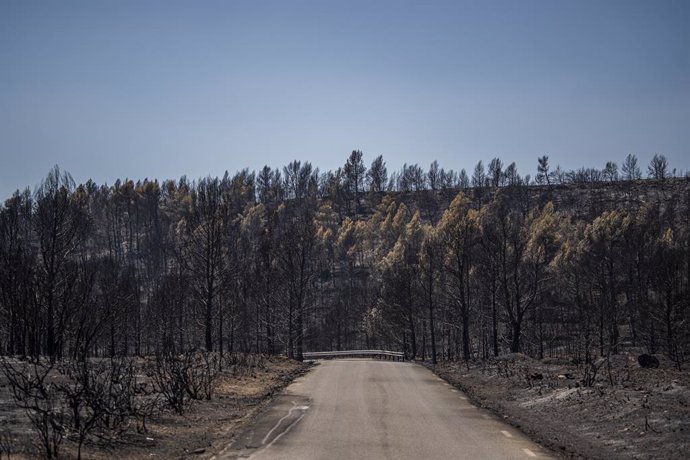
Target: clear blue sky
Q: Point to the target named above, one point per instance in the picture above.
(136, 89)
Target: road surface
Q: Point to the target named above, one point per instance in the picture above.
(369, 409)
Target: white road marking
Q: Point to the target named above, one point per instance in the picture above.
(529, 452)
(454, 391)
(289, 427)
(463, 398)
(268, 435)
(280, 435)
(506, 434)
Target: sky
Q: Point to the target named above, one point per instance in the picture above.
(159, 89)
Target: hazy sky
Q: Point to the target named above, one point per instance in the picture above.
(136, 89)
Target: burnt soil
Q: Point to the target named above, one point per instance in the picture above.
(627, 412)
(206, 428)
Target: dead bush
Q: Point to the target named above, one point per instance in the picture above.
(77, 398)
(34, 390)
(202, 373)
(186, 377)
(104, 396)
(5, 445)
(169, 375)
(506, 368)
(240, 364)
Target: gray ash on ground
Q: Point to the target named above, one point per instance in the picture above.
(627, 411)
(204, 429)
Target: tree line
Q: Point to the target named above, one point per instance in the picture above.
(433, 263)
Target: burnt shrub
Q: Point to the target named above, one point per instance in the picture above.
(34, 390)
(185, 377)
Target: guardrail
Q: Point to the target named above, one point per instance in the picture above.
(382, 354)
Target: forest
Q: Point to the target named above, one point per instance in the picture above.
(438, 264)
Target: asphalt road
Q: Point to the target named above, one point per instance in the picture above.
(368, 409)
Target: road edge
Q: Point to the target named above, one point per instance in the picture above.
(255, 412)
(528, 424)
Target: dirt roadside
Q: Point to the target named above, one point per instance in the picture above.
(206, 428)
(645, 413)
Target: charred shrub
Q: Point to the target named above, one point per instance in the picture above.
(186, 377)
(74, 399)
(169, 373)
(103, 396)
(239, 364)
(5, 444)
(34, 390)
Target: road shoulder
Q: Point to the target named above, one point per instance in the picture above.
(645, 416)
